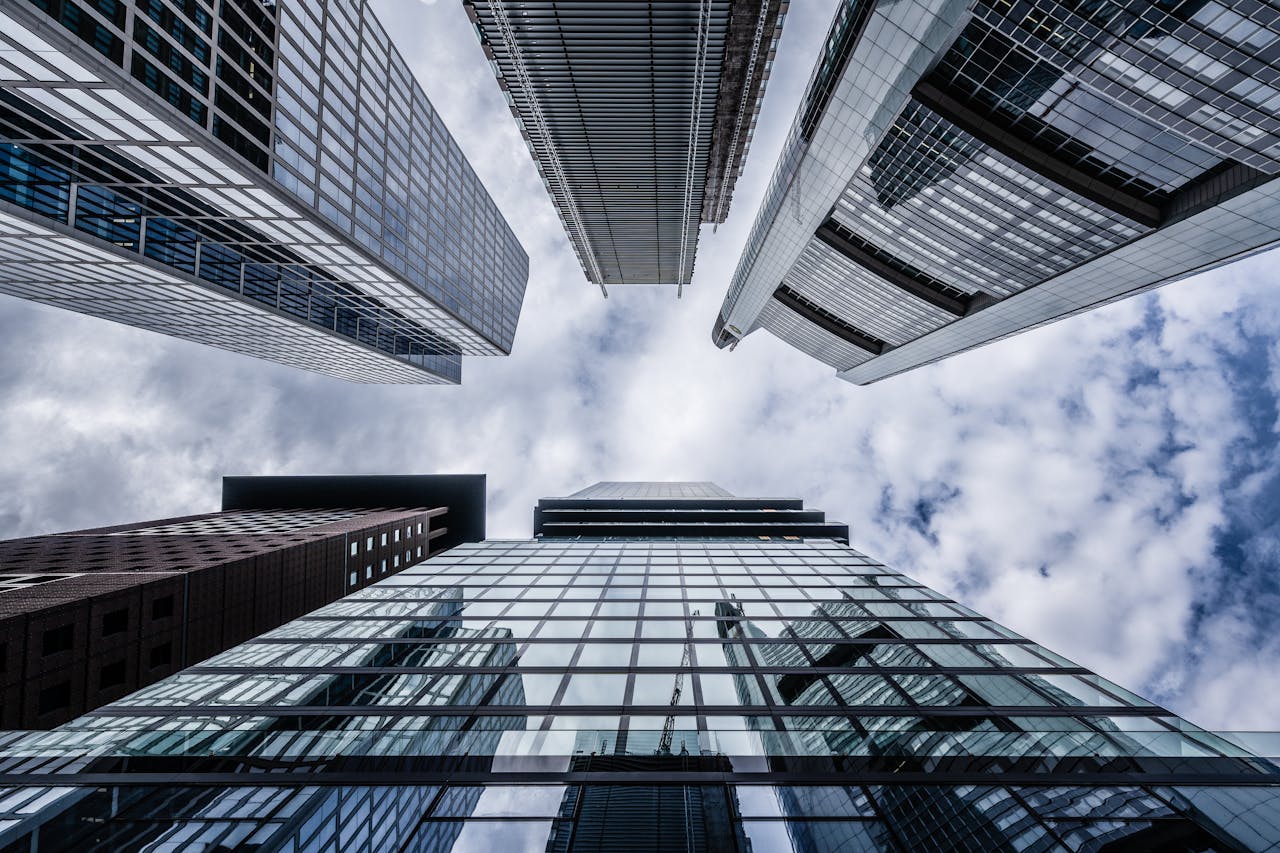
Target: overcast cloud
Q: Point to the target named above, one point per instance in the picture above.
(1106, 486)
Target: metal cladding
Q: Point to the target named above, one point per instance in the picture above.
(263, 177)
(638, 115)
(766, 688)
(960, 172)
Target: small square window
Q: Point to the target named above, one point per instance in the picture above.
(55, 698)
(111, 675)
(161, 655)
(162, 608)
(115, 622)
(59, 639)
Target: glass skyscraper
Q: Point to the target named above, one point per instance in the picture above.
(636, 678)
(960, 172)
(265, 177)
(638, 116)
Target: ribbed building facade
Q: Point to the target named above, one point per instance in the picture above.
(674, 689)
(89, 616)
(638, 115)
(960, 172)
(263, 177)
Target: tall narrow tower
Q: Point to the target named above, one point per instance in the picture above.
(518, 694)
(638, 116)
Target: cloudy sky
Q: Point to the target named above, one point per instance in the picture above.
(1106, 486)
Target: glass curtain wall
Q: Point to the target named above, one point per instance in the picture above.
(571, 695)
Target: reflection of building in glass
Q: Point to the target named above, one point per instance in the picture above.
(927, 817)
(638, 116)
(960, 172)
(263, 177)
(664, 667)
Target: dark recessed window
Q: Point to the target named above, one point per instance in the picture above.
(162, 608)
(58, 639)
(115, 622)
(161, 655)
(111, 675)
(55, 698)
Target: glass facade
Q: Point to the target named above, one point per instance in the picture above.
(960, 173)
(674, 691)
(638, 115)
(182, 148)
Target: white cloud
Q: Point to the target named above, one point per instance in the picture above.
(1109, 450)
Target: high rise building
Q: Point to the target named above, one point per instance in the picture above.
(638, 116)
(265, 177)
(960, 172)
(90, 616)
(621, 683)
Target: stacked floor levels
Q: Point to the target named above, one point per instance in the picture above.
(959, 172)
(90, 616)
(664, 690)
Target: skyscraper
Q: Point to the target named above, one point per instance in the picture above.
(960, 172)
(263, 177)
(92, 615)
(680, 688)
(638, 116)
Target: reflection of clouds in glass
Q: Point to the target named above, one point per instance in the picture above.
(605, 654)
(665, 628)
(547, 654)
(619, 608)
(517, 836)
(520, 801)
(660, 654)
(595, 690)
(613, 628)
(655, 689)
(569, 628)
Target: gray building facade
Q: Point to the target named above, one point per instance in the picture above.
(958, 173)
(638, 116)
(263, 177)
(676, 689)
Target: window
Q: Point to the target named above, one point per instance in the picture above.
(161, 655)
(115, 622)
(384, 539)
(397, 537)
(368, 571)
(355, 548)
(111, 675)
(58, 639)
(368, 545)
(382, 569)
(162, 608)
(55, 698)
